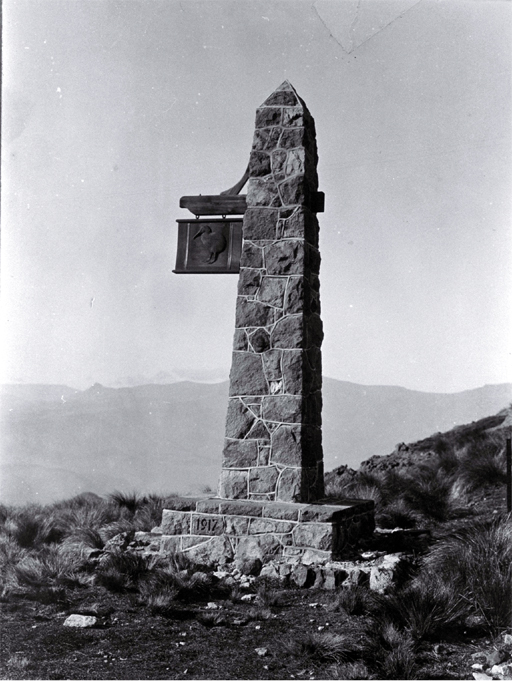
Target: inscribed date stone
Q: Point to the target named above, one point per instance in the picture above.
(207, 524)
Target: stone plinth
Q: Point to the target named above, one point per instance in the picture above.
(273, 445)
(217, 531)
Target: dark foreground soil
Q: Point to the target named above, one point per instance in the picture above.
(134, 644)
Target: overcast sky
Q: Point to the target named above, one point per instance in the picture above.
(113, 109)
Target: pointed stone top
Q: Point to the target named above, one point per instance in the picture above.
(285, 85)
(284, 95)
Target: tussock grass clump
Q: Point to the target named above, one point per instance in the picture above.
(398, 657)
(428, 493)
(353, 644)
(483, 464)
(127, 500)
(426, 607)
(354, 601)
(349, 671)
(167, 582)
(476, 561)
(122, 571)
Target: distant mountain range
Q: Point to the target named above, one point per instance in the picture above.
(57, 441)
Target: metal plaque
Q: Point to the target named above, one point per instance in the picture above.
(209, 246)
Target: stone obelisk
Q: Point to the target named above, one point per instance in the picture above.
(273, 444)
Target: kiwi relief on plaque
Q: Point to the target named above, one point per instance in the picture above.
(209, 246)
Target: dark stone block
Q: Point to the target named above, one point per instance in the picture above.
(292, 361)
(260, 223)
(288, 333)
(311, 445)
(259, 432)
(278, 162)
(175, 522)
(233, 484)
(247, 508)
(287, 446)
(314, 363)
(314, 535)
(294, 303)
(252, 313)
(295, 163)
(239, 419)
(313, 259)
(248, 281)
(293, 137)
(314, 331)
(252, 255)
(260, 340)
(208, 506)
(289, 487)
(246, 376)
(268, 117)
(293, 191)
(285, 257)
(266, 139)
(272, 365)
(263, 480)
(293, 117)
(282, 98)
(281, 511)
(272, 291)
(240, 454)
(240, 341)
(263, 192)
(313, 409)
(183, 503)
(282, 408)
(259, 164)
(263, 456)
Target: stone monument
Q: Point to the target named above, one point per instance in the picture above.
(273, 446)
(269, 502)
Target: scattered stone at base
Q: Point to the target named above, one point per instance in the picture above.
(504, 670)
(81, 621)
(303, 576)
(384, 574)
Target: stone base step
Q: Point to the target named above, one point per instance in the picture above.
(216, 531)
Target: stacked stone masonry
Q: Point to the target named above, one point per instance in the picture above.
(218, 530)
(273, 444)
